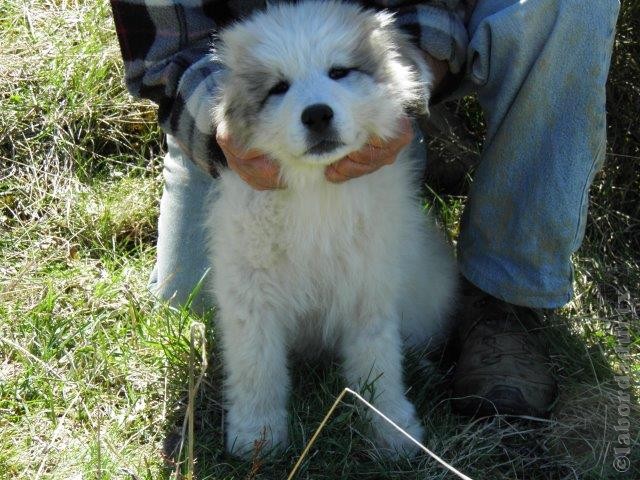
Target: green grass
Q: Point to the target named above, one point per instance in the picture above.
(94, 377)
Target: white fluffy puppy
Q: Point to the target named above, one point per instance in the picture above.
(353, 267)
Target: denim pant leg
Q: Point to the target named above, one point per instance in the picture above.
(540, 68)
(182, 246)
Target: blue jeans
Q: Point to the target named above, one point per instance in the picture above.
(539, 68)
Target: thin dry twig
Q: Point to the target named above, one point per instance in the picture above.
(448, 466)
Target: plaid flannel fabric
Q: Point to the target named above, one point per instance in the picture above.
(165, 46)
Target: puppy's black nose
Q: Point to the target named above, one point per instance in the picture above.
(317, 117)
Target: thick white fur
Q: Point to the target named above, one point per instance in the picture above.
(355, 268)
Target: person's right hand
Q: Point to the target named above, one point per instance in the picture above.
(254, 167)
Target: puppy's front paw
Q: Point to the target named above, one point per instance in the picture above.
(390, 441)
(247, 440)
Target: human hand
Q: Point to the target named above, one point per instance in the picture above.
(254, 167)
(374, 155)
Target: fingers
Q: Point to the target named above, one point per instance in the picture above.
(384, 153)
(261, 173)
(227, 144)
(374, 155)
(252, 166)
(347, 169)
(402, 139)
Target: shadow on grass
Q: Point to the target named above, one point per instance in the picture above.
(577, 441)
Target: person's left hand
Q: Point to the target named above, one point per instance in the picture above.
(374, 155)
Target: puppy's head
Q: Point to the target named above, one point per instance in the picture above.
(308, 83)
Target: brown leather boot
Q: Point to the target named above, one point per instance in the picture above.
(503, 367)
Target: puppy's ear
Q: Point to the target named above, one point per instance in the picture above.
(406, 64)
(235, 105)
(414, 57)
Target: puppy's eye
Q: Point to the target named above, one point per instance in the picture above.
(336, 73)
(279, 88)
